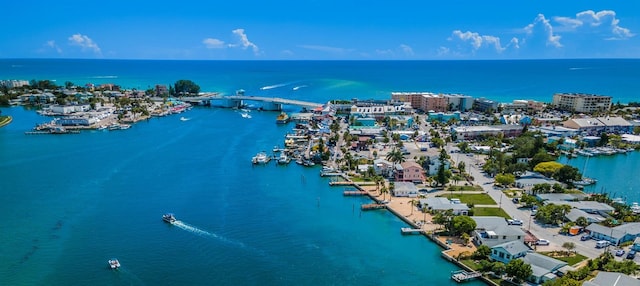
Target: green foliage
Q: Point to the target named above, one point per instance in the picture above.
(529, 200)
(582, 221)
(518, 269)
(505, 179)
(567, 174)
(547, 168)
(184, 86)
(482, 252)
(552, 214)
(480, 211)
(462, 224)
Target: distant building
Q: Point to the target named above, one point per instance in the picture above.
(459, 102)
(405, 189)
(444, 117)
(612, 279)
(473, 132)
(508, 251)
(597, 125)
(483, 105)
(616, 235)
(161, 90)
(581, 102)
(409, 172)
(379, 109)
(492, 231)
(14, 83)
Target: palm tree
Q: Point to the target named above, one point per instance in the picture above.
(384, 191)
(413, 204)
(379, 181)
(395, 156)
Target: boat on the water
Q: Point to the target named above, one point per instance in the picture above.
(114, 263)
(261, 158)
(184, 118)
(282, 118)
(635, 208)
(283, 159)
(169, 217)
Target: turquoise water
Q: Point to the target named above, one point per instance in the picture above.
(617, 175)
(73, 202)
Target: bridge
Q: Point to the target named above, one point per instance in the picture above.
(238, 101)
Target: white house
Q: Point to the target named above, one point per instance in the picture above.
(492, 230)
(405, 189)
(443, 204)
(383, 167)
(544, 267)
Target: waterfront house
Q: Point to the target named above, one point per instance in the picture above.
(530, 179)
(492, 230)
(409, 171)
(544, 267)
(591, 207)
(405, 189)
(615, 235)
(383, 167)
(574, 214)
(440, 204)
(605, 278)
(560, 197)
(508, 251)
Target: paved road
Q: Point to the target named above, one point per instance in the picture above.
(556, 240)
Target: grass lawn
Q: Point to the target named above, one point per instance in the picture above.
(490, 212)
(571, 260)
(464, 188)
(476, 199)
(471, 263)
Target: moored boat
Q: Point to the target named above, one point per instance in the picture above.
(283, 159)
(114, 263)
(261, 158)
(282, 118)
(169, 217)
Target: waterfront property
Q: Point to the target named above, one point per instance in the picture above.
(409, 172)
(605, 278)
(492, 231)
(581, 102)
(508, 251)
(597, 125)
(405, 189)
(615, 235)
(440, 204)
(473, 132)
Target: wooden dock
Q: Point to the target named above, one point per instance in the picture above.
(367, 207)
(342, 183)
(463, 275)
(330, 174)
(407, 230)
(354, 193)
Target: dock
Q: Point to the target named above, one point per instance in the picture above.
(463, 275)
(330, 174)
(354, 193)
(407, 230)
(367, 207)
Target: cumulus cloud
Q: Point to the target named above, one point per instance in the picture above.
(476, 40)
(603, 22)
(243, 41)
(85, 43)
(407, 50)
(542, 26)
(212, 43)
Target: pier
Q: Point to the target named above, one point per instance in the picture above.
(463, 275)
(367, 207)
(407, 230)
(354, 193)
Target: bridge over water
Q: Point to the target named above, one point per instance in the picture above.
(269, 103)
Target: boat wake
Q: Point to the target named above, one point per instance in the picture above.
(205, 233)
(104, 76)
(273, 86)
(299, 87)
(246, 115)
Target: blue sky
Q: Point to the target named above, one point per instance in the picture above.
(320, 29)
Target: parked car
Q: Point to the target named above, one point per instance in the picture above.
(514, 222)
(620, 252)
(542, 242)
(602, 244)
(515, 200)
(631, 254)
(585, 237)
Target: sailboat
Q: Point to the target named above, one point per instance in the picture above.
(585, 180)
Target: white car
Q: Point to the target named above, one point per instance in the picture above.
(514, 222)
(542, 242)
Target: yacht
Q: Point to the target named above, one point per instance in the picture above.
(169, 217)
(261, 158)
(283, 159)
(635, 208)
(282, 118)
(114, 263)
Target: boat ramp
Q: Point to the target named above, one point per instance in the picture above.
(463, 275)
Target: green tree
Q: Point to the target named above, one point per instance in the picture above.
(518, 270)
(482, 252)
(442, 177)
(395, 156)
(462, 166)
(567, 174)
(498, 268)
(185, 87)
(552, 214)
(547, 168)
(569, 246)
(462, 224)
(582, 221)
(505, 179)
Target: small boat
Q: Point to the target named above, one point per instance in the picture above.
(635, 208)
(169, 217)
(282, 118)
(184, 118)
(283, 159)
(114, 263)
(261, 158)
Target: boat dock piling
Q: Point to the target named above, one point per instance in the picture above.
(354, 193)
(367, 207)
(406, 230)
(463, 275)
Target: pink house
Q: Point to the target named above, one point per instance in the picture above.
(409, 172)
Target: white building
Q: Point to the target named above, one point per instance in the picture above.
(581, 102)
(405, 189)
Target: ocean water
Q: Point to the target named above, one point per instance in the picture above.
(73, 202)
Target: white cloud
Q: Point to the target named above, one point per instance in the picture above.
(476, 40)
(603, 22)
(407, 50)
(85, 43)
(52, 44)
(212, 43)
(244, 42)
(386, 53)
(287, 53)
(542, 26)
(515, 43)
(443, 51)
